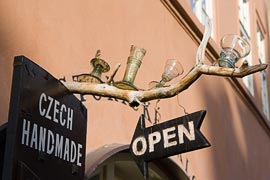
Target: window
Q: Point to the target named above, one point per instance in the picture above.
(244, 17)
(248, 80)
(244, 20)
(202, 9)
(123, 169)
(114, 162)
(261, 55)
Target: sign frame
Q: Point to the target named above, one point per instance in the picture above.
(34, 91)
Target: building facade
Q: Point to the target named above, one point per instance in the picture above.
(63, 36)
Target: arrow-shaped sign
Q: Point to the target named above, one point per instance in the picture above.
(167, 139)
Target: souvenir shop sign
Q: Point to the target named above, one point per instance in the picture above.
(46, 133)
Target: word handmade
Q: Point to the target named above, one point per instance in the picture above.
(47, 141)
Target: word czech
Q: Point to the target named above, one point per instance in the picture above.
(47, 105)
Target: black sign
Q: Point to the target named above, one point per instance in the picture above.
(46, 134)
(167, 139)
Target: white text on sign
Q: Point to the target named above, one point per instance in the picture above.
(168, 135)
(59, 113)
(46, 140)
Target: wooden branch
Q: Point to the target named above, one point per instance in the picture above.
(134, 98)
(231, 72)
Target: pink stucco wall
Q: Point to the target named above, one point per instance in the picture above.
(63, 36)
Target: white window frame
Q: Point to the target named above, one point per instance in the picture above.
(244, 20)
(202, 9)
(244, 16)
(248, 80)
(261, 56)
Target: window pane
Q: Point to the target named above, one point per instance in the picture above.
(202, 9)
(261, 54)
(244, 16)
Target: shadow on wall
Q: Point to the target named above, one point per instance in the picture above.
(238, 141)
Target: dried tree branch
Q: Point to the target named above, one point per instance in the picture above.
(134, 98)
(231, 72)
